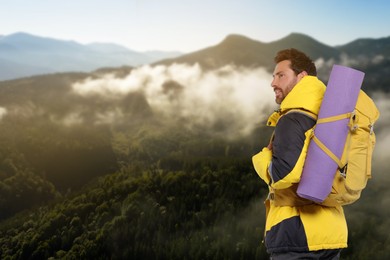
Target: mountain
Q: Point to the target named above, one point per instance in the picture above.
(23, 54)
(243, 51)
(235, 49)
(372, 47)
(369, 55)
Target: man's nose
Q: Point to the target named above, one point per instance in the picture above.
(273, 83)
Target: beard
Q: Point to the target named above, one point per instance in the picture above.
(281, 93)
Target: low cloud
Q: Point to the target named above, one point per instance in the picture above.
(231, 98)
(3, 112)
(71, 119)
(24, 110)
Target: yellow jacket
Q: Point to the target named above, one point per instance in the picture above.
(289, 227)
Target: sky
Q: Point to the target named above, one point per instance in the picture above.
(191, 25)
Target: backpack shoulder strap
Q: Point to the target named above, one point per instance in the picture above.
(302, 111)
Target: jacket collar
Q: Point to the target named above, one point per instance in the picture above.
(307, 95)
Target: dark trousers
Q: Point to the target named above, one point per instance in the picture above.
(333, 254)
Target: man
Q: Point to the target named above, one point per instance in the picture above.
(296, 228)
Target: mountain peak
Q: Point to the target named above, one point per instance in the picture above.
(236, 39)
(22, 36)
(239, 43)
(294, 38)
(19, 34)
(307, 44)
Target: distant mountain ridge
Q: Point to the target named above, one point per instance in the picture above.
(369, 55)
(23, 54)
(244, 51)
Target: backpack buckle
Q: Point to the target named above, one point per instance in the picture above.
(371, 127)
(343, 171)
(271, 196)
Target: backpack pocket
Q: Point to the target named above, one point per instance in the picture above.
(359, 159)
(348, 185)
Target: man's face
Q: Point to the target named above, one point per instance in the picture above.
(284, 80)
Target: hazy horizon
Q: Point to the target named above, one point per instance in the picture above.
(192, 25)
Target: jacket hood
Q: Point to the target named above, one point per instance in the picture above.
(307, 94)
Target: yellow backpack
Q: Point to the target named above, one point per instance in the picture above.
(355, 164)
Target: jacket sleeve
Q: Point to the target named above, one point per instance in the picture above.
(290, 139)
(261, 162)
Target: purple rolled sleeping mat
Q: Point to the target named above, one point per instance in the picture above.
(340, 97)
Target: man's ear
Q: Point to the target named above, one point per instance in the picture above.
(302, 74)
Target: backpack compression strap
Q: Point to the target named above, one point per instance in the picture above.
(323, 147)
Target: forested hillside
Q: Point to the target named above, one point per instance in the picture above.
(174, 195)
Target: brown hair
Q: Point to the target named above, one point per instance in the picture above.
(299, 61)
